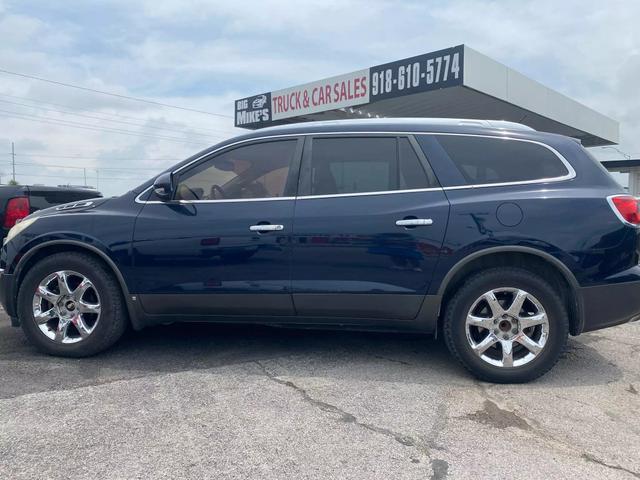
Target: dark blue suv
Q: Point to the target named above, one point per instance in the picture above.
(502, 239)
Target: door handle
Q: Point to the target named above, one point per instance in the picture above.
(266, 228)
(414, 222)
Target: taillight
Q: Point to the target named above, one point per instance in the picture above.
(626, 208)
(17, 209)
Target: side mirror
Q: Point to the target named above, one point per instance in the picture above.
(163, 186)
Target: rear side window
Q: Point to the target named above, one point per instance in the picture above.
(366, 164)
(254, 171)
(483, 160)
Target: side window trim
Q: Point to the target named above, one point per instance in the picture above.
(304, 179)
(425, 142)
(290, 183)
(424, 161)
(293, 177)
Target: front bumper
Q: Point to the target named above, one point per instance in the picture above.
(609, 305)
(8, 295)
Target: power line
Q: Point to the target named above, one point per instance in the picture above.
(36, 175)
(82, 157)
(47, 165)
(67, 123)
(107, 128)
(137, 176)
(93, 117)
(142, 100)
(117, 115)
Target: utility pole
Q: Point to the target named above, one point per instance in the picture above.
(85, 176)
(98, 179)
(13, 162)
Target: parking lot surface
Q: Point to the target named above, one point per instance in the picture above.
(206, 401)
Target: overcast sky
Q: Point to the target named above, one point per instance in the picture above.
(203, 54)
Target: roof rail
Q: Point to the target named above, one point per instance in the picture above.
(462, 122)
(496, 124)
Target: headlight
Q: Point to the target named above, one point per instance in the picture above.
(18, 228)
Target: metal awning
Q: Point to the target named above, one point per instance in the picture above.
(620, 165)
(457, 82)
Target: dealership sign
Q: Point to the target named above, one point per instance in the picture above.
(329, 94)
(422, 73)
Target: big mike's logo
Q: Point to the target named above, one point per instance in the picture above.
(253, 111)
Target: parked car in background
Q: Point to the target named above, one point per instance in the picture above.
(501, 239)
(18, 201)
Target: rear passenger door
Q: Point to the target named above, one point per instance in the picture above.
(369, 222)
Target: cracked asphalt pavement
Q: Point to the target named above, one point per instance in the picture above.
(206, 401)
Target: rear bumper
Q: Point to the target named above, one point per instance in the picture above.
(609, 305)
(8, 295)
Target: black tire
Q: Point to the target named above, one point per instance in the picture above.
(113, 319)
(458, 307)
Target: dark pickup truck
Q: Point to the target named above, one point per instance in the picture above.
(18, 201)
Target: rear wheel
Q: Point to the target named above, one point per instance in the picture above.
(71, 305)
(506, 325)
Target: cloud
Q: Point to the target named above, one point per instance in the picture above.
(203, 54)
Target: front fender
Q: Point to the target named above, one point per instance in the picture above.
(28, 250)
(93, 246)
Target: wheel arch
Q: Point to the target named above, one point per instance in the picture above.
(44, 249)
(524, 257)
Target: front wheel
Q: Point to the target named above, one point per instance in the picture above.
(70, 305)
(506, 325)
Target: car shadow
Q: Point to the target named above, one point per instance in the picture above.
(408, 358)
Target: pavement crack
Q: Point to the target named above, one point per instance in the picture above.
(536, 429)
(439, 425)
(392, 360)
(406, 440)
(590, 458)
(151, 374)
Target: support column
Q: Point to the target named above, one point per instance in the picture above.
(634, 181)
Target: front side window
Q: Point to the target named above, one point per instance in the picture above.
(483, 160)
(253, 171)
(365, 164)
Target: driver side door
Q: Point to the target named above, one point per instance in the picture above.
(222, 246)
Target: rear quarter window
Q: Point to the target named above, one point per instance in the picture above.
(483, 160)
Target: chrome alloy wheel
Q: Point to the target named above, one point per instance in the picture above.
(66, 306)
(507, 327)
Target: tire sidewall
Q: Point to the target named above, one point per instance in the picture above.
(110, 305)
(508, 278)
